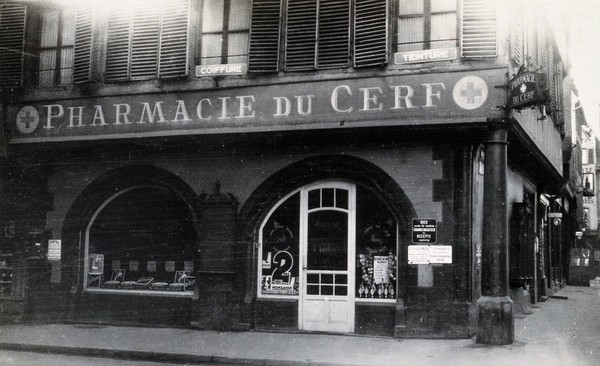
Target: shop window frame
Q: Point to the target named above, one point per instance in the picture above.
(121, 291)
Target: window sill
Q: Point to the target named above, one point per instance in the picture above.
(184, 294)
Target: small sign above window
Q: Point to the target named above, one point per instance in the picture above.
(438, 54)
(221, 70)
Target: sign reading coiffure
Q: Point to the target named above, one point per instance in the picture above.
(397, 100)
(525, 89)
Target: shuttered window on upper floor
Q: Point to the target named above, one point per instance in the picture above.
(147, 41)
(12, 33)
(317, 34)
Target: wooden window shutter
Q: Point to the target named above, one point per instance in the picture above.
(174, 40)
(542, 47)
(334, 34)
(479, 28)
(370, 32)
(516, 35)
(301, 35)
(117, 47)
(82, 63)
(265, 27)
(12, 34)
(144, 42)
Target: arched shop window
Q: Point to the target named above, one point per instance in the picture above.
(141, 240)
(376, 249)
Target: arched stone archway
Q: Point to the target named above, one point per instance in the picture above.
(313, 169)
(101, 191)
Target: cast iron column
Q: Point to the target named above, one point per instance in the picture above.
(495, 308)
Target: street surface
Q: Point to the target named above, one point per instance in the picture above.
(563, 331)
(17, 358)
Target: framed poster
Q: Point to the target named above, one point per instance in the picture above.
(170, 266)
(133, 266)
(96, 264)
(151, 267)
(188, 266)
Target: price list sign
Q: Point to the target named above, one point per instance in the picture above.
(424, 231)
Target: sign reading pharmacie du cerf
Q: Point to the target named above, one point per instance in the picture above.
(392, 100)
(526, 89)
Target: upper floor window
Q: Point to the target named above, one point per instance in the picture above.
(317, 34)
(225, 29)
(57, 47)
(426, 24)
(147, 40)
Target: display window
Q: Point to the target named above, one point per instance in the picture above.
(376, 243)
(142, 240)
(580, 257)
(279, 265)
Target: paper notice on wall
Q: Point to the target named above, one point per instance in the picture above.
(418, 254)
(381, 272)
(440, 254)
(54, 250)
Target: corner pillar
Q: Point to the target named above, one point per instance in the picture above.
(495, 308)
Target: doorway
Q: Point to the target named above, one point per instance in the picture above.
(327, 245)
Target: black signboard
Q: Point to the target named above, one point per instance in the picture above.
(525, 89)
(424, 231)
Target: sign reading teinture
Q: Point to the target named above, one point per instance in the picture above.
(439, 54)
(221, 70)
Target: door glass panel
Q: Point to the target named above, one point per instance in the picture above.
(327, 240)
(327, 197)
(341, 198)
(314, 199)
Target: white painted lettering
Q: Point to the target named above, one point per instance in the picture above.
(122, 114)
(335, 98)
(398, 97)
(246, 106)
(369, 100)
(181, 111)
(429, 94)
(224, 103)
(199, 109)
(60, 112)
(300, 101)
(152, 115)
(283, 107)
(98, 115)
(72, 116)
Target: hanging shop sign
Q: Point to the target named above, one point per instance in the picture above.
(424, 231)
(438, 54)
(397, 100)
(526, 89)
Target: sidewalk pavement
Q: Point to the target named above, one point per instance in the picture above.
(556, 332)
